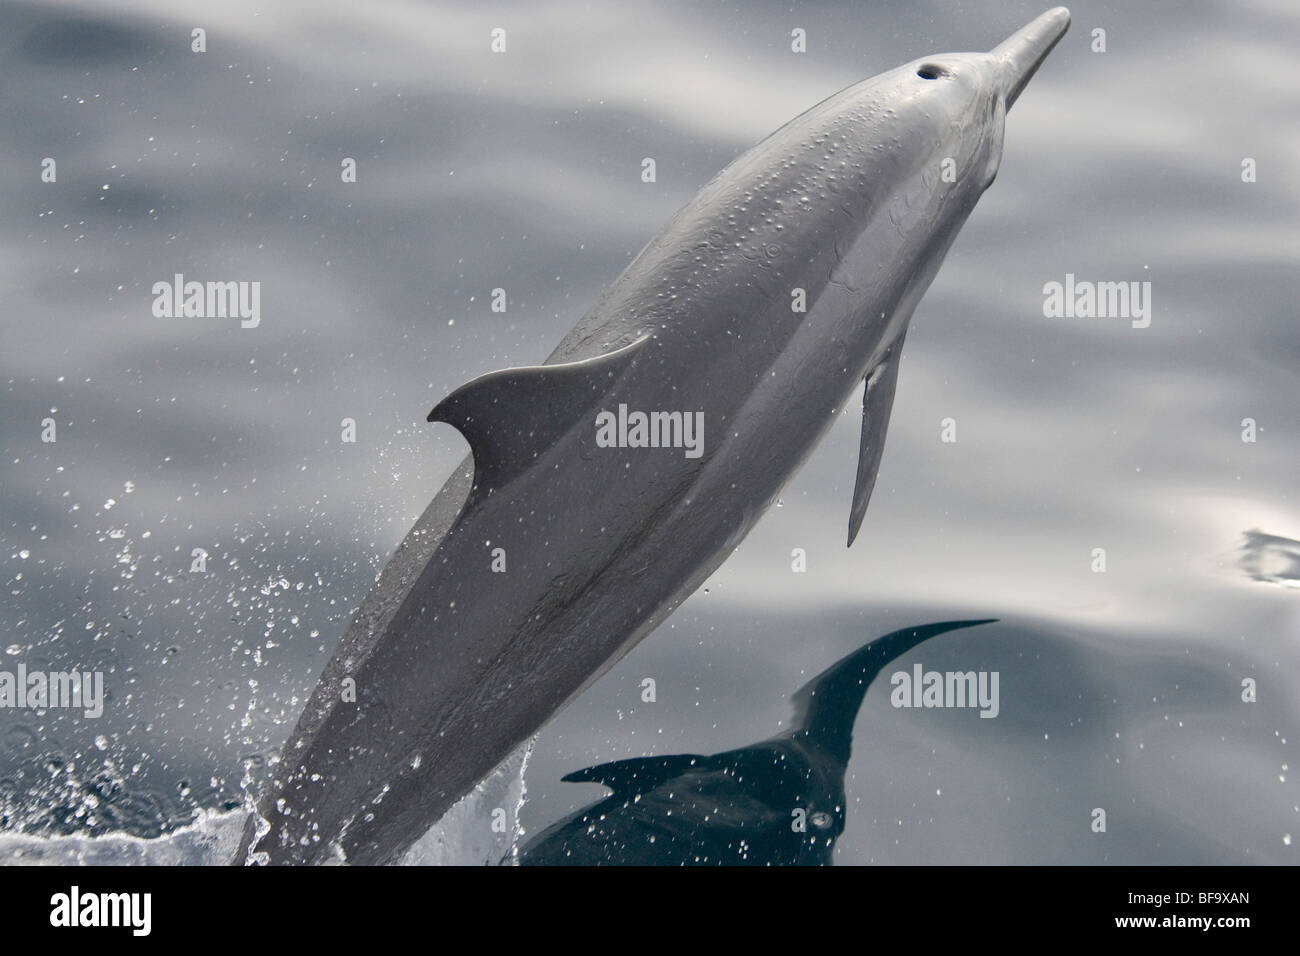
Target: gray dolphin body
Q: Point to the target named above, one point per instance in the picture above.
(451, 662)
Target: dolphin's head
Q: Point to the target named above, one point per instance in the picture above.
(971, 92)
(823, 801)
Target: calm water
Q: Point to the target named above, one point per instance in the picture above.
(1119, 690)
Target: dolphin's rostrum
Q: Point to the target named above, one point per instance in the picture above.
(734, 807)
(548, 555)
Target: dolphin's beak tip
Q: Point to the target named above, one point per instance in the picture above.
(1021, 54)
(1057, 18)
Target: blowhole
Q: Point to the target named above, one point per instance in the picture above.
(930, 71)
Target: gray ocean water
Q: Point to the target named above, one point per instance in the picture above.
(1081, 443)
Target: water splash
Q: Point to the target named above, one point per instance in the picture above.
(483, 829)
(211, 840)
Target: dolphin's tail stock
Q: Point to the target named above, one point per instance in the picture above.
(827, 706)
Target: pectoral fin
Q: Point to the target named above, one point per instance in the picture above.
(877, 401)
(639, 774)
(512, 416)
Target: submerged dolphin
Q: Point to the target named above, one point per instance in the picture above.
(736, 807)
(607, 484)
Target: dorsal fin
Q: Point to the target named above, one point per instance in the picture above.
(639, 774)
(826, 707)
(512, 416)
(877, 402)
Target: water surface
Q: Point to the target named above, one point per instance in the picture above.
(1120, 690)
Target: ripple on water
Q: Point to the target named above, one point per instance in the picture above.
(1271, 558)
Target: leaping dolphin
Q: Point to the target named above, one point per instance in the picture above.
(779, 802)
(605, 485)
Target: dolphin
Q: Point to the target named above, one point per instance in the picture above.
(606, 484)
(779, 802)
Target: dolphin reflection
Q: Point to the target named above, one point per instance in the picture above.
(780, 801)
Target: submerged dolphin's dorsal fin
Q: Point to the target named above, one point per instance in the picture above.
(826, 707)
(512, 416)
(638, 773)
(877, 400)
